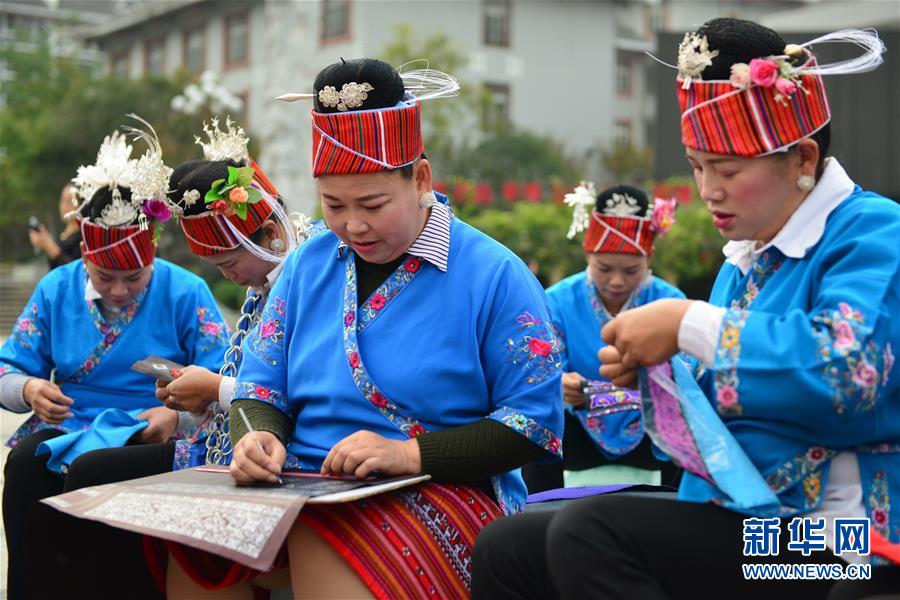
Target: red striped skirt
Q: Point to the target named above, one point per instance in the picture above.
(411, 543)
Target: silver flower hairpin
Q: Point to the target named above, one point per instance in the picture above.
(622, 205)
(694, 55)
(352, 95)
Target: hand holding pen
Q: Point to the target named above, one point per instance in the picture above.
(258, 456)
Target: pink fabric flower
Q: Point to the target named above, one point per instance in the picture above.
(785, 87)
(378, 400)
(267, 329)
(740, 75)
(211, 328)
(416, 430)
(157, 209)
(763, 72)
(663, 216)
(261, 392)
(219, 206)
(354, 360)
(238, 195)
(377, 302)
(540, 347)
(865, 375)
(412, 264)
(844, 336)
(727, 397)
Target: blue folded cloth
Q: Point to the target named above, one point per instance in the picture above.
(112, 428)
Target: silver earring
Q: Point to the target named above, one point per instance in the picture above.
(277, 245)
(427, 199)
(806, 182)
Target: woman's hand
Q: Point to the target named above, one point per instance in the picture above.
(194, 390)
(364, 452)
(249, 463)
(162, 424)
(646, 335)
(42, 240)
(47, 401)
(573, 389)
(613, 369)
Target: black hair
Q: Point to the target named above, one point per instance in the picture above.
(199, 175)
(631, 195)
(387, 86)
(740, 41)
(103, 198)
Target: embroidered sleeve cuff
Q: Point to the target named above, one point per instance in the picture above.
(12, 387)
(531, 429)
(251, 391)
(226, 392)
(698, 334)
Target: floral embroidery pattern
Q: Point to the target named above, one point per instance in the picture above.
(880, 503)
(728, 351)
(851, 370)
(253, 391)
(386, 292)
(530, 428)
(25, 331)
(110, 333)
(395, 284)
(805, 467)
(267, 338)
(213, 333)
(537, 349)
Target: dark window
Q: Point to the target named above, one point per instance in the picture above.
(496, 22)
(155, 56)
(237, 41)
(335, 20)
(496, 113)
(194, 49)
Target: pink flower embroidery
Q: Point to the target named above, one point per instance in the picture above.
(412, 264)
(540, 347)
(816, 455)
(416, 430)
(25, 324)
(261, 392)
(846, 310)
(88, 364)
(844, 337)
(110, 338)
(377, 302)
(267, 329)
(3, 371)
(865, 375)
(348, 319)
(378, 400)
(879, 516)
(354, 360)
(763, 72)
(211, 328)
(104, 329)
(238, 195)
(727, 397)
(554, 444)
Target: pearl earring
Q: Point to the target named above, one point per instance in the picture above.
(427, 199)
(806, 182)
(277, 245)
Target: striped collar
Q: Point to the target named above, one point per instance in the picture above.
(433, 244)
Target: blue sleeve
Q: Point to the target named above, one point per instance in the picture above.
(835, 358)
(206, 333)
(263, 372)
(520, 355)
(27, 350)
(559, 330)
